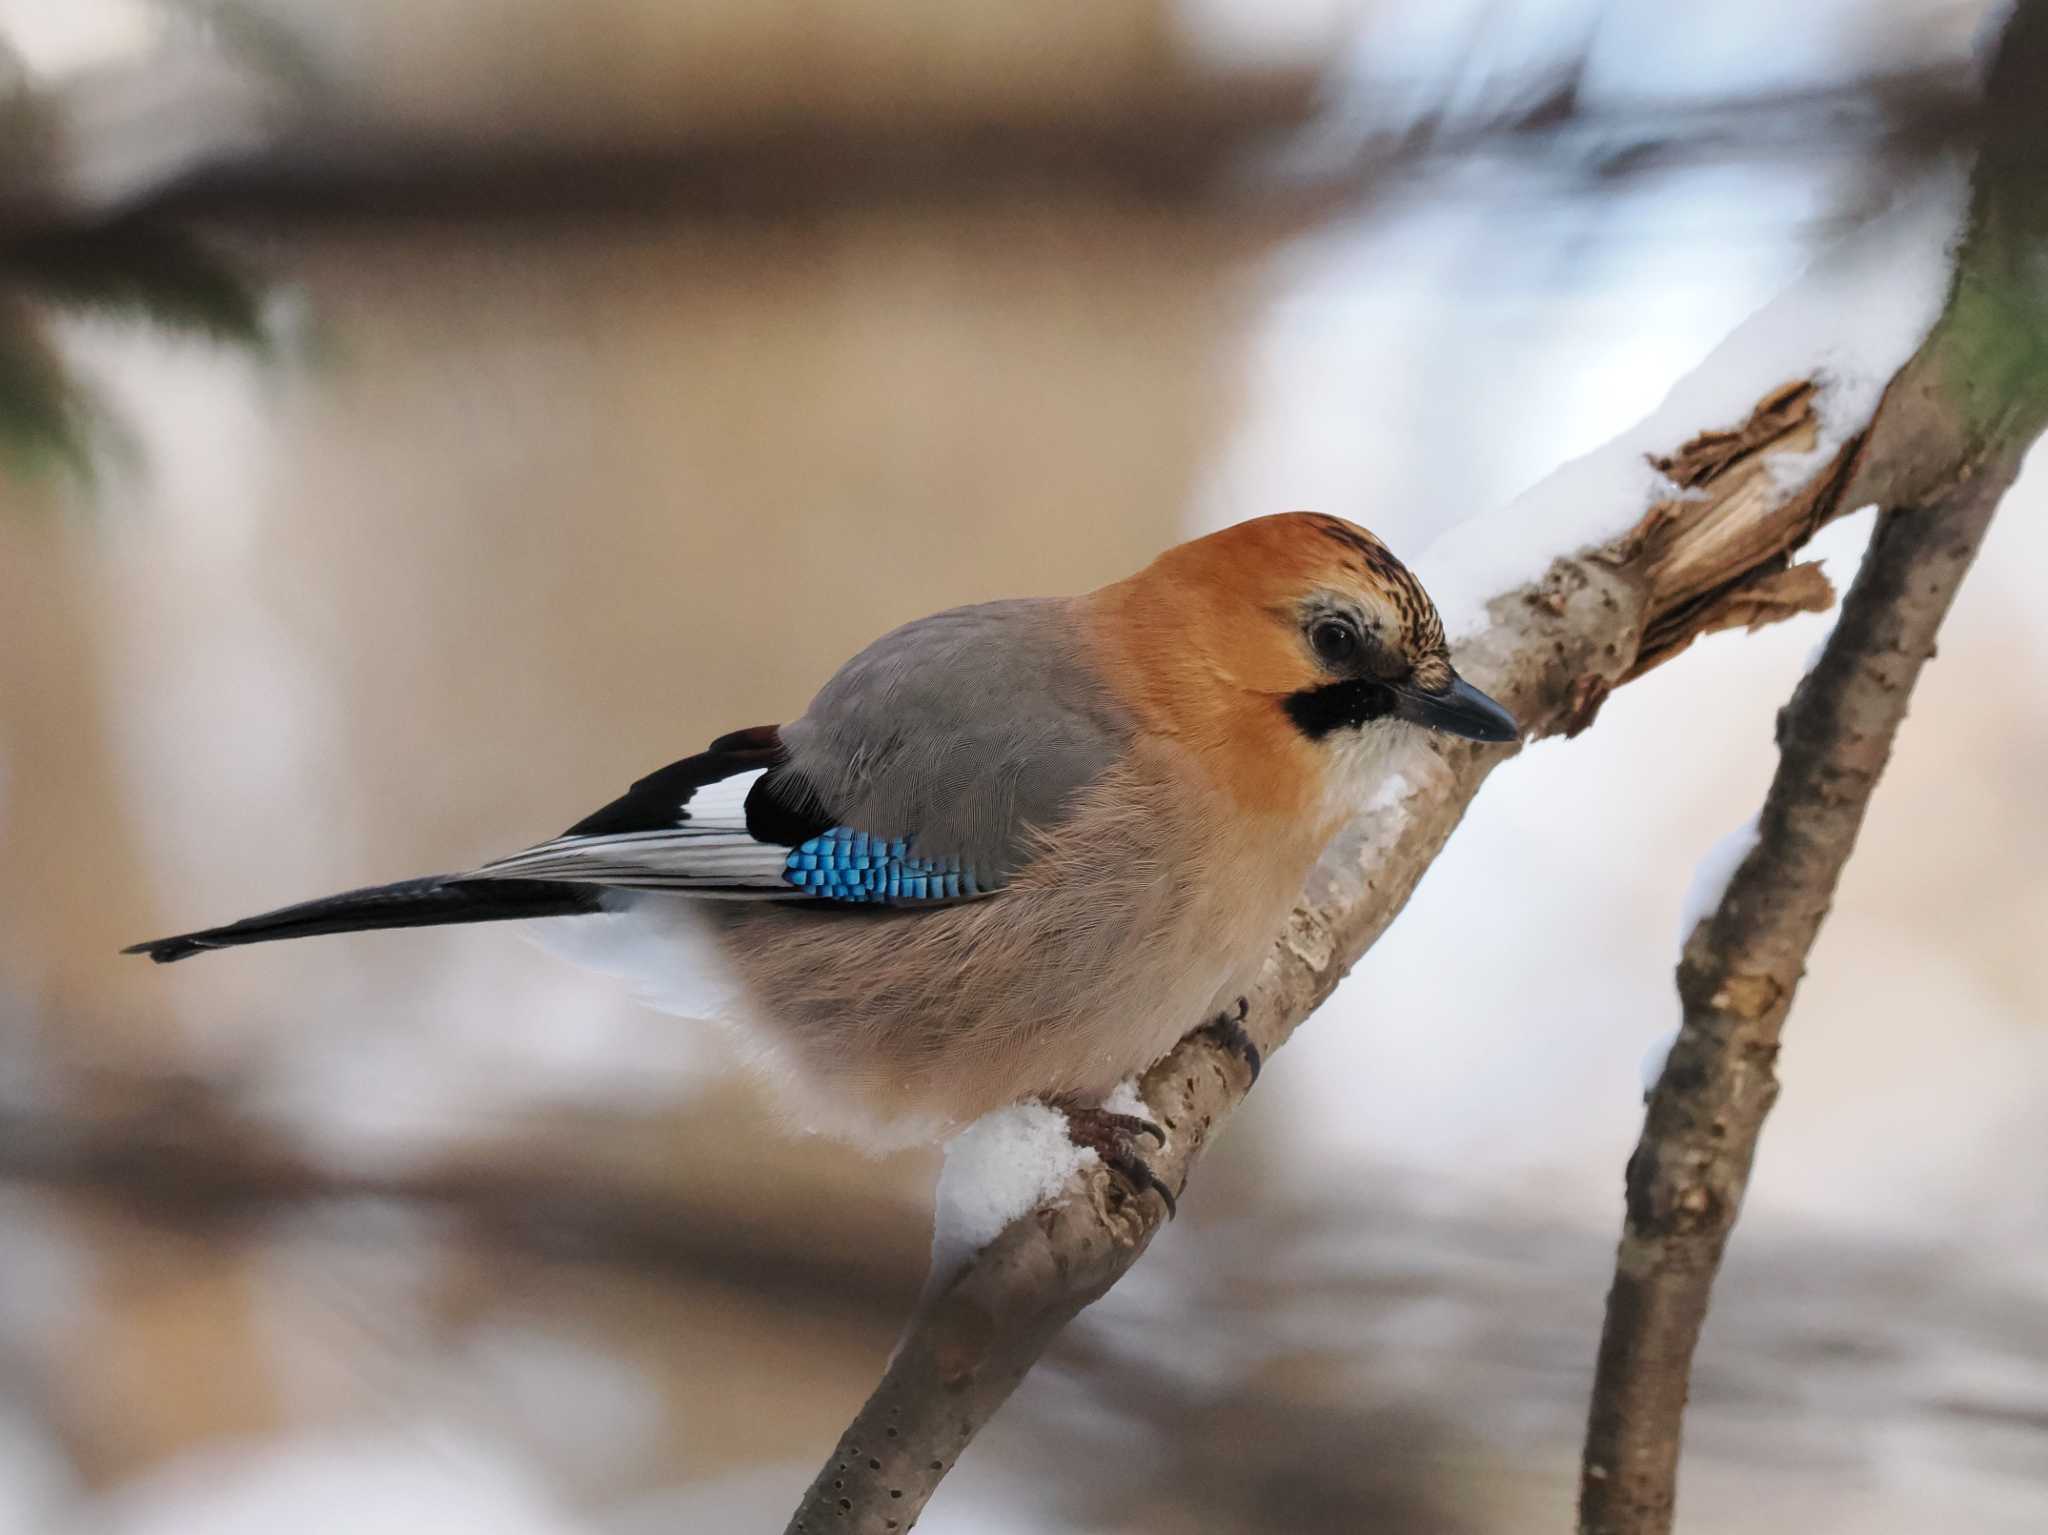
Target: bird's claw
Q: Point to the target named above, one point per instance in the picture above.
(1227, 1029)
(1114, 1137)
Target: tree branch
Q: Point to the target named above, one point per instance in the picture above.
(1714, 551)
(1946, 443)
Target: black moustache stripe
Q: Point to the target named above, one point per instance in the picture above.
(1338, 706)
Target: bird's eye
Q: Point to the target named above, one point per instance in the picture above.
(1335, 640)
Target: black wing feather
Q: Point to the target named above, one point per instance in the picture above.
(665, 833)
(429, 902)
(661, 799)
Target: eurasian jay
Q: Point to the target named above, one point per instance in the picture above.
(1015, 850)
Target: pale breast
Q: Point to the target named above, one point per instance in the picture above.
(1117, 939)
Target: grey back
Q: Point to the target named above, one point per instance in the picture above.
(962, 731)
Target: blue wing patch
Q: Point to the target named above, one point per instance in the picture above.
(847, 865)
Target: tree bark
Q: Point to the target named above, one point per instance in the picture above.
(1945, 444)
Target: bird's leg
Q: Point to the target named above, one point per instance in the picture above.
(1114, 1138)
(1227, 1029)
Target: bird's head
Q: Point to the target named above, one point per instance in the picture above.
(1303, 621)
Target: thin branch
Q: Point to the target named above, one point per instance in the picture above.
(1551, 651)
(1939, 456)
(1736, 980)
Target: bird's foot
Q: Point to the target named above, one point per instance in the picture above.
(1227, 1029)
(1114, 1138)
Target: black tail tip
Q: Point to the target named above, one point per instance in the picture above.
(169, 950)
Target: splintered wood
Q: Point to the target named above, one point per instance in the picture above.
(1718, 554)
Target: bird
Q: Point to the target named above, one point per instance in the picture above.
(1012, 851)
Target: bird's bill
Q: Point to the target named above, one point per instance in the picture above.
(1459, 710)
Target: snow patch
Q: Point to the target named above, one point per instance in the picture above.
(1857, 314)
(1710, 878)
(1000, 1167)
(1124, 1099)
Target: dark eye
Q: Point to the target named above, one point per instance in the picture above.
(1335, 640)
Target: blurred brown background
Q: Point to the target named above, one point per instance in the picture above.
(624, 367)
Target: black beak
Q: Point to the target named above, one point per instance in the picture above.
(1459, 710)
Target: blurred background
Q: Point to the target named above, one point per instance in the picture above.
(417, 422)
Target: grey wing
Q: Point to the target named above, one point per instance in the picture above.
(915, 777)
(960, 733)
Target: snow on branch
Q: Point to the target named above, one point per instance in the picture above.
(1774, 405)
(1682, 525)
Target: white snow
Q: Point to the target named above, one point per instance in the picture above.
(1850, 321)
(1710, 877)
(1000, 1167)
(1124, 1099)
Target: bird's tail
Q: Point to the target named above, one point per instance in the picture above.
(425, 902)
